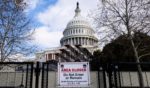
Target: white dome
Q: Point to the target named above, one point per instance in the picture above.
(78, 31)
(78, 26)
(78, 21)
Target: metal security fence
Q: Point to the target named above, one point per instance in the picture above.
(45, 75)
(123, 75)
(16, 74)
(49, 76)
(48, 67)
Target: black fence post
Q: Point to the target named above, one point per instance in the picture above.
(31, 76)
(98, 78)
(104, 77)
(27, 74)
(43, 69)
(47, 75)
(110, 75)
(37, 74)
(116, 76)
(118, 72)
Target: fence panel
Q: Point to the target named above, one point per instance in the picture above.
(16, 74)
(125, 75)
(49, 79)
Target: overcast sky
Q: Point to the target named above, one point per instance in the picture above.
(50, 18)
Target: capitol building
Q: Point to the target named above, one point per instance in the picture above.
(78, 39)
(78, 31)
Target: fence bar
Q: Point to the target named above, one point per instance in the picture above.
(104, 78)
(47, 75)
(37, 74)
(42, 75)
(27, 76)
(98, 78)
(31, 76)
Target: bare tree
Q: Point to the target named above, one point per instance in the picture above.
(118, 17)
(15, 31)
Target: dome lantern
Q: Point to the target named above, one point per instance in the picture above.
(77, 10)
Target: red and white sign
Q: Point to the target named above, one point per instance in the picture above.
(73, 74)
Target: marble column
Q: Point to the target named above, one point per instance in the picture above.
(52, 57)
(84, 41)
(75, 40)
(71, 41)
(81, 41)
(47, 57)
(87, 41)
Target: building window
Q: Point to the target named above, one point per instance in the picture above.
(79, 30)
(76, 31)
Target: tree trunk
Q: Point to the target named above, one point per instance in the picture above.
(140, 76)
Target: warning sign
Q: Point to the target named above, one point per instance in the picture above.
(73, 74)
